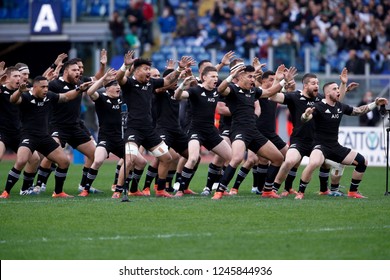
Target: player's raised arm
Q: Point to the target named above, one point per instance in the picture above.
(128, 61)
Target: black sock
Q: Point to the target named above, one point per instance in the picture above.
(161, 184)
(186, 176)
(302, 186)
(137, 174)
(271, 175)
(91, 176)
(170, 175)
(354, 185)
(13, 177)
(324, 177)
(119, 188)
(60, 176)
(151, 174)
(288, 184)
(334, 187)
(178, 177)
(84, 176)
(262, 170)
(117, 170)
(128, 180)
(213, 175)
(226, 178)
(43, 176)
(276, 186)
(28, 180)
(240, 177)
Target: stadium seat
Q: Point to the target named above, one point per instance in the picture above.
(116, 61)
(198, 49)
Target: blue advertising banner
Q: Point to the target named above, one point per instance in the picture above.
(46, 18)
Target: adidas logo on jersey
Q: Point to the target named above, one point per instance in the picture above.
(203, 94)
(327, 111)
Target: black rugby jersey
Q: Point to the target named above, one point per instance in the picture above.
(35, 113)
(167, 110)
(9, 112)
(224, 121)
(297, 104)
(203, 103)
(266, 122)
(68, 113)
(138, 97)
(109, 115)
(327, 122)
(241, 103)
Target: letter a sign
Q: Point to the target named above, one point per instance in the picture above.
(46, 18)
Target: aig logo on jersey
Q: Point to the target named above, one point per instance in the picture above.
(46, 18)
(333, 116)
(145, 87)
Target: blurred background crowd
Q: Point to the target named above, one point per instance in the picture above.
(335, 33)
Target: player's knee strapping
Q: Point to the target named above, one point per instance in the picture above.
(361, 163)
(131, 149)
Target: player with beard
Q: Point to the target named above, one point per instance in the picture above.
(46, 166)
(327, 115)
(64, 123)
(301, 139)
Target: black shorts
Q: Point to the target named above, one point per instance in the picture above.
(43, 144)
(336, 153)
(209, 138)
(148, 138)
(82, 125)
(224, 130)
(276, 140)
(114, 145)
(10, 140)
(252, 137)
(304, 149)
(73, 135)
(175, 139)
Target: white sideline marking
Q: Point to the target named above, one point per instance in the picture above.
(184, 235)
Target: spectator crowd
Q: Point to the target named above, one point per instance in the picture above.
(331, 28)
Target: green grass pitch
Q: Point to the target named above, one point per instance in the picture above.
(245, 227)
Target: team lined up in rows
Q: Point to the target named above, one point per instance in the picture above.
(50, 118)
